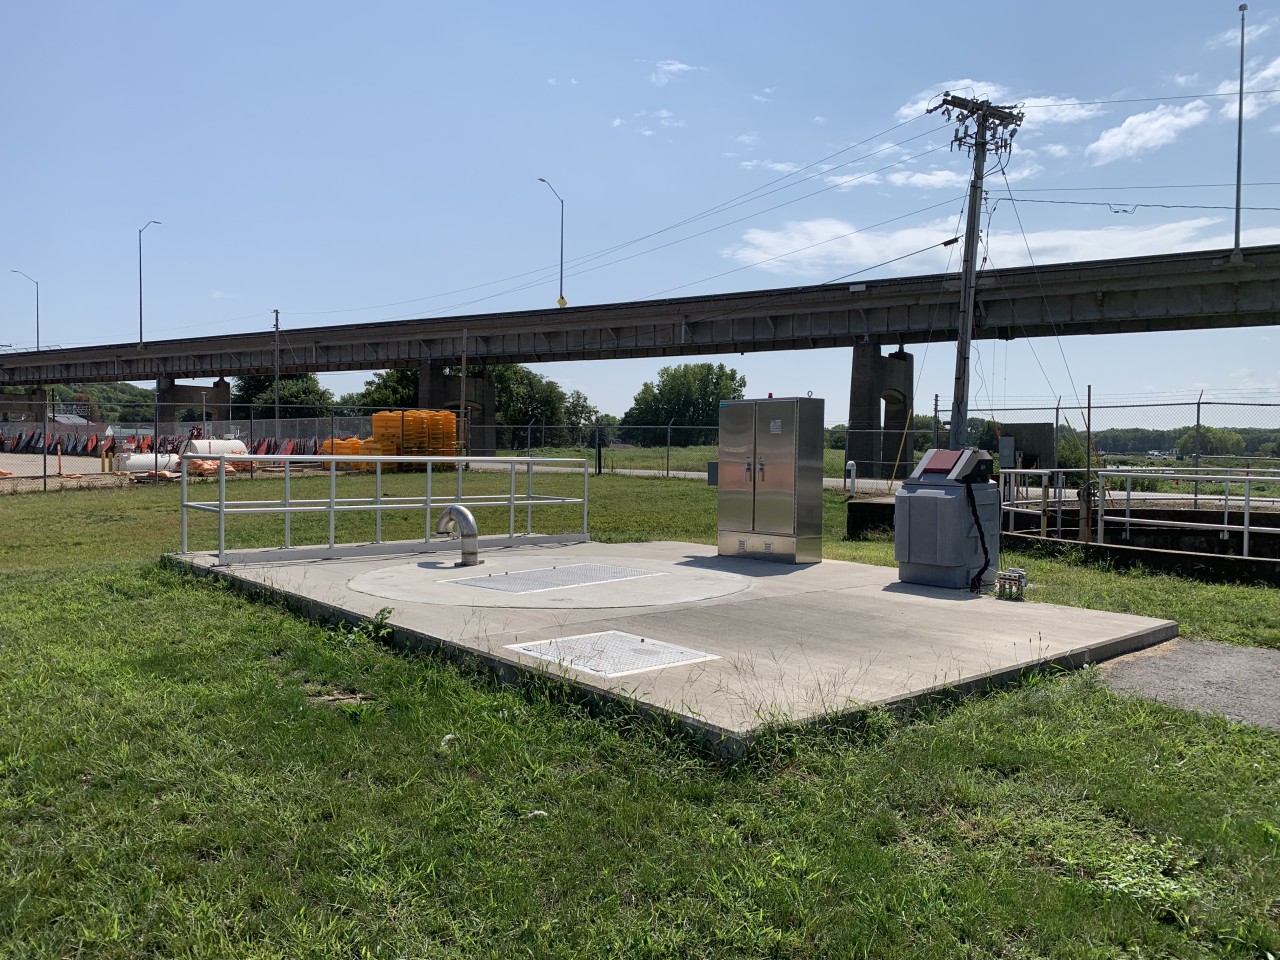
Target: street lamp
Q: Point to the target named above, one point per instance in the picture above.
(1236, 255)
(37, 283)
(562, 301)
(140, 229)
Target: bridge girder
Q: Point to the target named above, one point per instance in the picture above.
(1186, 291)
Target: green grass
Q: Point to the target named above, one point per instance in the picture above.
(186, 773)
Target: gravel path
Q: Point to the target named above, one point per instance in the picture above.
(1239, 683)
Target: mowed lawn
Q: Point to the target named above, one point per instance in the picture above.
(187, 773)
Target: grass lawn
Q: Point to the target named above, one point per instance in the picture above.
(184, 773)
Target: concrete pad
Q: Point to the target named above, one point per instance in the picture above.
(774, 642)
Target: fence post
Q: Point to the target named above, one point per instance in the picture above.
(528, 439)
(1088, 438)
(155, 435)
(44, 442)
(598, 454)
(252, 463)
(1195, 456)
(669, 423)
(937, 425)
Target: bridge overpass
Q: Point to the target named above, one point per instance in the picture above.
(1180, 291)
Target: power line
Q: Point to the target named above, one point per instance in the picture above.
(1180, 96)
(1115, 205)
(753, 194)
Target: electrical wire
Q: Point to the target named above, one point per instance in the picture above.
(1115, 205)
(790, 253)
(1181, 96)
(753, 194)
(671, 243)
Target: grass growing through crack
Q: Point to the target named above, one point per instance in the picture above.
(184, 773)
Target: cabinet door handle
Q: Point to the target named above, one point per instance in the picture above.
(746, 472)
(760, 471)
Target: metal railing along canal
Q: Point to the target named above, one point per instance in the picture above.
(339, 466)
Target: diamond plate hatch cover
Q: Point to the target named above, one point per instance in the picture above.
(612, 653)
(553, 578)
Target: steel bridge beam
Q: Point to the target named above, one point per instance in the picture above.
(1182, 291)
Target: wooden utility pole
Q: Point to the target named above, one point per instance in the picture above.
(993, 130)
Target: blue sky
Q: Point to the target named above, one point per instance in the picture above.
(354, 163)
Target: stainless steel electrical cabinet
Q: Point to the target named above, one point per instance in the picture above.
(770, 479)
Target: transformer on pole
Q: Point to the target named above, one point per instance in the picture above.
(993, 129)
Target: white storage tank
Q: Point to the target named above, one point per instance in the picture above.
(142, 462)
(213, 446)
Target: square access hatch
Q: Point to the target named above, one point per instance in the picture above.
(612, 653)
(553, 578)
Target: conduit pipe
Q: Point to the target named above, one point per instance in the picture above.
(459, 518)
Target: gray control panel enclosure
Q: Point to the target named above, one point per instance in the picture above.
(935, 539)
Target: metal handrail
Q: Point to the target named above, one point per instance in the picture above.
(1197, 476)
(377, 504)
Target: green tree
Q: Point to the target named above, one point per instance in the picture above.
(388, 389)
(580, 418)
(523, 398)
(1214, 441)
(1070, 450)
(301, 396)
(687, 395)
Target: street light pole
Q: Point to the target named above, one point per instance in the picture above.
(1236, 255)
(562, 301)
(140, 229)
(37, 283)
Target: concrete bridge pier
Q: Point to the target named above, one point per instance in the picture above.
(173, 397)
(873, 442)
(440, 391)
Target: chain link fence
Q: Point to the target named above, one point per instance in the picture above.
(56, 446)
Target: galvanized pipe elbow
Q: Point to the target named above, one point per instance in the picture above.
(460, 519)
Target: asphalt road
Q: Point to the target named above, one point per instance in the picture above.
(1239, 683)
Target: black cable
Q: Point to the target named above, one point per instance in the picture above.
(976, 583)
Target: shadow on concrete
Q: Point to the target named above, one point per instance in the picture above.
(936, 593)
(743, 567)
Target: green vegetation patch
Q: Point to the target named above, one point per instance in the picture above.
(187, 773)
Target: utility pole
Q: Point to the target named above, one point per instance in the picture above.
(277, 386)
(1236, 255)
(993, 129)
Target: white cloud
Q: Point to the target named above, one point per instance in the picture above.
(646, 132)
(617, 122)
(551, 81)
(777, 166)
(831, 246)
(1056, 150)
(1257, 76)
(761, 99)
(220, 295)
(664, 71)
(928, 181)
(849, 180)
(819, 119)
(1231, 38)
(749, 139)
(664, 118)
(1147, 131)
(1185, 79)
